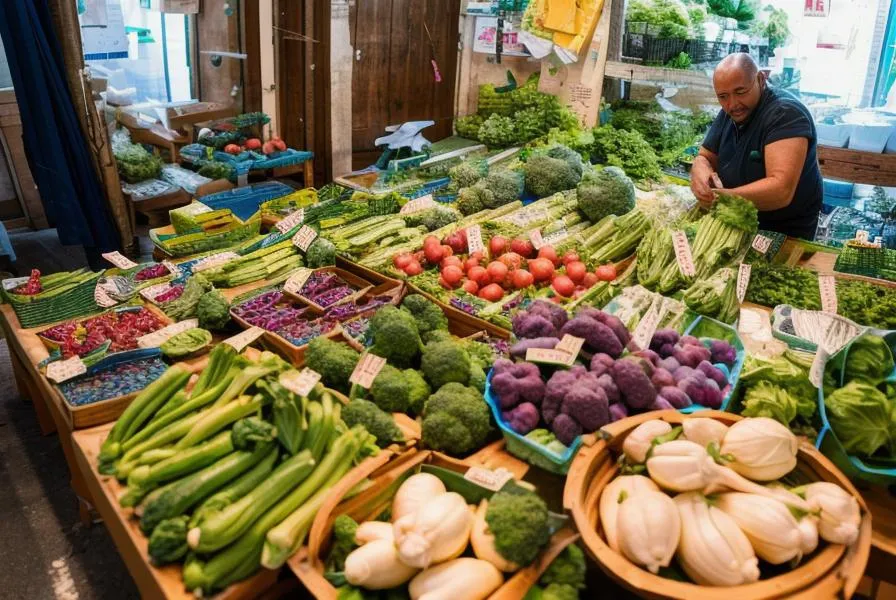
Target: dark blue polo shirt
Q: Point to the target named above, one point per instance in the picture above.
(741, 155)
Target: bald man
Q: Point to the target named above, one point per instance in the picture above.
(762, 146)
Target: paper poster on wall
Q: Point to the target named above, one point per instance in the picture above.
(486, 33)
(106, 42)
(817, 8)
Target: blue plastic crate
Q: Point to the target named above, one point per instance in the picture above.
(245, 201)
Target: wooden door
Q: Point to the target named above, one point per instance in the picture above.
(392, 78)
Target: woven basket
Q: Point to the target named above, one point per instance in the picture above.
(76, 302)
(831, 571)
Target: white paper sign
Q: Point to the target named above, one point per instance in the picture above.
(304, 237)
(647, 325)
(474, 239)
(11, 284)
(861, 235)
(490, 480)
(828, 290)
(241, 340)
(290, 221)
(101, 294)
(300, 382)
(536, 239)
(154, 291)
(297, 280)
(743, 280)
(119, 260)
(172, 268)
(367, 369)
(683, 253)
(157, 338)
(761, 244)
(63, 370)
(215, 260)
(418, 204)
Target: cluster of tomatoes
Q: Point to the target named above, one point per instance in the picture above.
(275, 144)
(509, 265)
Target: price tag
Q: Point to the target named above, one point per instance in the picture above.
(291, 220)
(647, 325)
(11, 284)
(474, 239)
(417, 204)
(297, 280)
(157, 338)
(490, 480)
(119, 260)
(555, 238)
(683, 253)
(878, 241)
(761, 244)
(241, 340)
(367, 369)
(816, 372)
(215, 260)
(572, 345)
(172, 268)
(827, 287)
(154, 291)
(743, 280)
(300, 382)
(861, 235)
(564, 353)
(304, 237)
(101, 294)
(63, 370)
(536, 239)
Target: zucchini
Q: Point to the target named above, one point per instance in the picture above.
(234, 491)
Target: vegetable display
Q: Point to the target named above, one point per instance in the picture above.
(120, 328)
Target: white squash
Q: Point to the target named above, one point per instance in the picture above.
(616, 492)
(649, 529)
(370, 531)
(713, 550)
(438, 531)
(376, 566)
(637, 444)
(704, 431)
(763, 449)
(483, 542)
(768, 523)
(840, 515)
(416, 491)
(458, 579)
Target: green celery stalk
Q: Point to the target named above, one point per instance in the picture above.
(219, 417)
(234, 491)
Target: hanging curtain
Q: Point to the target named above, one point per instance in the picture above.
(55, 144)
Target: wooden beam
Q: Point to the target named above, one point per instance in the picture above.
(642, 73)
(858, 167)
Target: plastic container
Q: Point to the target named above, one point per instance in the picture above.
(838, 193)
(705, 328)
(870, 137)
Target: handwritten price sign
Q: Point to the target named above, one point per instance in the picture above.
(119, 260)
(683, 254)
(743, 280)
(300, 382)
(474, 239)
(418, 204)
(63, 370)
(761, 244)
(828, 289)
(290, 221)
(304, 237)
(367, 369)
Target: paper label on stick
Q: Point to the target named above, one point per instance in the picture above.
(474, 239)
(215, 260)
(367, 369)
(683, 253)
(297, 280)
(157, 338)
(290, 221)
(761, 244)
(647, 325)
(101, 294)
(172, 268)
(241, 340)
(743, 280)
(119, 260)
(828, 290)
(63, 370)
(490, 480)
(300, 382)
(417, 204)
(11, 284)
(572, 345)
(536, 239)
(564, 353)
(304, 237)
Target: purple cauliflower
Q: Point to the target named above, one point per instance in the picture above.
(601, 363)
(556, 389)
(527, 325)
(648, 355)
(675, 397)
(682, 372)
(712, 394)
(663, 341)
(520, 382)
(501, 365)
(661, 378)
(523, 418)
(554, 313)
(611, 321)
(669, 363)
(609, 386)
(689, 354)
(618, 411)
(634, 385)
(518, 350)
(713, 373)
(661, 404)
(701, 390)
(566, 429)
(588, 405)
(722, 352)
(689, 340)
(598, 337)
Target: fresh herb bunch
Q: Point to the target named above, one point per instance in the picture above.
(627, 150)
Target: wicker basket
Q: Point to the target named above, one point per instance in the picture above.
(831, 571)
(386, 471)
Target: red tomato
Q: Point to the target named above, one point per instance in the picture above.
(590, 279)
(447, 250)
(492, 292)
(479, 274)
(413, 268)
(606, 272)
(542, 269)
(402, 260)
(512, 260)
(434, 254)
(576, 271)
(477, 255)
(570, 256)
(523, 247)
(445, 284)
(549, 253)
(452, 274)
(431, 240)
(564, 286)
(419, 256)
(522, 278)
(497, 271)
(497, 246)
(471, 262)
(451, 261)
(471, 286)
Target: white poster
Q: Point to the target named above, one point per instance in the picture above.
(106, 42)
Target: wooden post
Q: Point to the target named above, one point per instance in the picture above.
(341, 65)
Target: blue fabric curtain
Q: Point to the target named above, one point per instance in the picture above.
(54, 142)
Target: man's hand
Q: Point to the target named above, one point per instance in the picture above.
(701, 174)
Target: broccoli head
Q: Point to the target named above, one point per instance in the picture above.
(395, 336)
(334, 361)
(477, 377)
(560, 591)
(505, 187)
(428, 316)
(432, 218)
(445, 362)
(546, 176)
(321, 253)
(456, 420)
(567, 569)
(519, 523)
(568, 155)
(418, 390)
(213, 310)
(168, 541)
(378, 423)
(473, 199)
(468, 172)
(391, 390)
(607, 192)
(344, 529)
(480, 352)
(437, 335)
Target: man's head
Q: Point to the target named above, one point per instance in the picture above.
(738, 85)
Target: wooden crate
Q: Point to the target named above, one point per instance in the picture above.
(363, 272)
(358, 283)
(832, 571)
